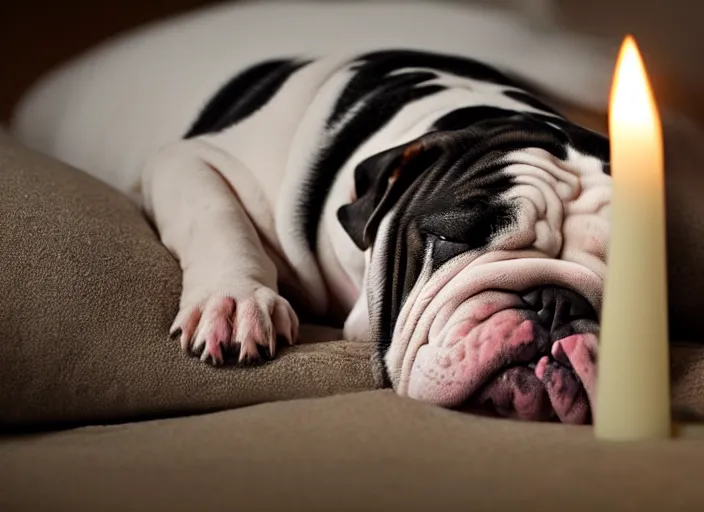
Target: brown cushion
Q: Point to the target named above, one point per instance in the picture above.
(87, 294)
(358, 452)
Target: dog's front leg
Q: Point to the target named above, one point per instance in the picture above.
(229, 301)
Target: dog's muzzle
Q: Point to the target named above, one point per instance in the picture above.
(544, 362)
(525, 351)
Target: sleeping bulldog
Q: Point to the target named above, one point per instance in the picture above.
(384, 165)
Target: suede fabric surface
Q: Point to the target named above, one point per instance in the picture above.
(87, 294)
(358, 452)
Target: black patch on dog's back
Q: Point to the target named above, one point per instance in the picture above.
(465, 117)
(243, 95)
(373, 68)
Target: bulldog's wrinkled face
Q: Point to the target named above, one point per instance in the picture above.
(486, 259)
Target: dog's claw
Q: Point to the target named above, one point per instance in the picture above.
(248, 327)
(213, 355)
(197, 349)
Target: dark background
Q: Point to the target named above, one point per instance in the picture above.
(38, 34)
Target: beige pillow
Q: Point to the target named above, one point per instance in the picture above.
(87, 294)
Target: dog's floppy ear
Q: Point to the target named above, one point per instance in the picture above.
(379, 182)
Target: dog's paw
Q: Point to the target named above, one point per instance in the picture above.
(243, 326)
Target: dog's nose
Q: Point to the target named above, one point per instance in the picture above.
(558, 307)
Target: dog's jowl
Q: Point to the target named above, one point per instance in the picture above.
(410, 187)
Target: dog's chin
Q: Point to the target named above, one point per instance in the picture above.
(494, 354)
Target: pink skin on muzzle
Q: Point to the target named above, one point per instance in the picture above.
(464, 338)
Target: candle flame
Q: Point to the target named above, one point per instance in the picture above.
(632, 101)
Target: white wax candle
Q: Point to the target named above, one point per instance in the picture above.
(633, 385)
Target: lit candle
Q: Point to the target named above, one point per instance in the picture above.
(633, 386)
